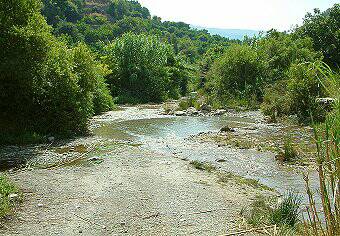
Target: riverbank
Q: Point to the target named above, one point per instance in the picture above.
(114, 183)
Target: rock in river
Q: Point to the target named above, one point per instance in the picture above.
(227, 129)
(191, 111)
(180, 113)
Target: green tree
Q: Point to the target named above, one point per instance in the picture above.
(324, 29)
(118, 9)
(62, 10)
(281, 50)
(303, 89)
(25, 41)
(45, 87)
(238, 73)
(138, 64)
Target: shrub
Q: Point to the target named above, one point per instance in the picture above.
(327, 138)
(102, 99)
(289, 152)
(239, 73)
(297, 94)
(281, 50)
(276, 102)
(287, 212)
(138, 64)
(303, 88)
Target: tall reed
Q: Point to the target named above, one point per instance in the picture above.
(327, 137)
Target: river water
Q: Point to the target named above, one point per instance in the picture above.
(170, 135)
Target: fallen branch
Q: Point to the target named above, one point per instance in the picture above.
(251, 230)
(207, 211)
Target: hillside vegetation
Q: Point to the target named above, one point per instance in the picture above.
(64, 61)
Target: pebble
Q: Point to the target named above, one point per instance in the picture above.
(13, 196)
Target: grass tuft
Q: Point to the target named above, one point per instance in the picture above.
(6, 189)
(202, 166)
(226, 177)
(284, 214)
(287, 212)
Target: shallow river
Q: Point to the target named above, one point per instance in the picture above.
(172, 135)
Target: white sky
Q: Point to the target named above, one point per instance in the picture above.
(236, 14)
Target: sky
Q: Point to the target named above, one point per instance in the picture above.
(237, 14)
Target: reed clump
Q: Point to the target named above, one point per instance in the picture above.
(326, 221)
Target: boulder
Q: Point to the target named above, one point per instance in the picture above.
(191, 111)
(227, 129)
(220, 112)
(179, 113)
(94, 159)
(13, 197)
(326, 103)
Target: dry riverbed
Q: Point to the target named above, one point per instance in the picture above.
(113, 186)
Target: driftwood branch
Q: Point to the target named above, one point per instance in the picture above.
(251, 230)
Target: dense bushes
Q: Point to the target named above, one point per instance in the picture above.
(239, 74)
(297, 94)
(46, 87)
(143, 69)
(303, 88)
(278, 70)
(70, 10)
(280, 50)
(324, 29)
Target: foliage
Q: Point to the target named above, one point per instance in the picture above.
(287, 212)
(289, 151)
(276, 102)
(303, 88)
(99, 21)
(102, 99)
(281, 50)
(207, 61)
(284, 214)
(297, 94)
(6, 188)
(324, 29)
(46, 87)
(327, 138)
(238, 73)
(143, 69)
(62, 10)
(118, 9)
